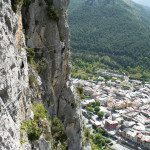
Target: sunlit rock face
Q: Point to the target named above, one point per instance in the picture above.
(13, 77)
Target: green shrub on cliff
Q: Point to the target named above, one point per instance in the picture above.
(16, 3)
(39, 111)
(51, 11)
(58, 134)
(31, 127)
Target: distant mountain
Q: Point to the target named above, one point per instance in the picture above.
(119, 29)
(143, 2)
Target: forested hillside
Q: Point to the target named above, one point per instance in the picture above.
(115, 33)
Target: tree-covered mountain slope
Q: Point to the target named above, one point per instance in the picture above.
(119, 29)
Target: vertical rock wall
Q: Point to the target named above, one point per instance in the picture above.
(50, 39)
(13, 77)
(48, 34)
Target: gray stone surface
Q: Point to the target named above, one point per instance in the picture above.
(50, 39)
(13, 77)
(42, 144)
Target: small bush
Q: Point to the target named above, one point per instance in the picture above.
(93, 104)
(39, 111)
(52, 14)
(96, 109)
(87, 133)
(58, 133)
(32, 129)
(31, 58)
(80, 90)
(97, 103)
(102, 131)
(99, 140)
(107, 140)
(90, 109)
(38, 64)
(100, 114)
(125, 87)
(30, 55)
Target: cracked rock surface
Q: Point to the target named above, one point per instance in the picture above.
(49, 37)
(13, 77)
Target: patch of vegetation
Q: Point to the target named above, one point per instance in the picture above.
(96, 139)
(94, 104)
(33, 81)
(81, 93)
(100, 114)
(31, 57)
(90, 109)
(58, 134)
(93, 107)
(31, 127)
(96, 109)
(125, 87)
(101, 131)
(80, 90)
(39, 111)
(88, 67)
(16, 3)
(51, 11)
(113, 35)
(97, 103)
(38, 64)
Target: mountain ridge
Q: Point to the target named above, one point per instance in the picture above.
(105, 15)
(117, 29)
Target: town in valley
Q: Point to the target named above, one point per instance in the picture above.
(119, 106)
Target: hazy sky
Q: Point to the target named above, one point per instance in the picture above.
(143, 2)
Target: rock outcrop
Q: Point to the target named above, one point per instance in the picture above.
(13, 77)
(47, 33)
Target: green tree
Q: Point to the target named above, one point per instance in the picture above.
(100, 114)
(96, 109)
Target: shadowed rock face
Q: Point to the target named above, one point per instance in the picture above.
(49, 37)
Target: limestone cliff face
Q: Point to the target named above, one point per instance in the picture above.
(13, 77)
(47, 32)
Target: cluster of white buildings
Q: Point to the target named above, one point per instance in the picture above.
(126, 105)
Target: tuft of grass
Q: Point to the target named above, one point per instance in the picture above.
(39, 111)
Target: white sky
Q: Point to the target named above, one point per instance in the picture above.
(143, 2)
